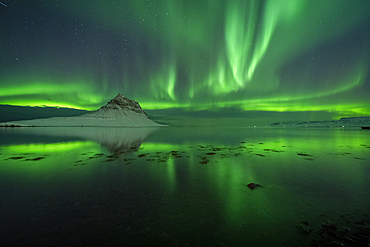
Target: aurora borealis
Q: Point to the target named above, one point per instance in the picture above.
(273, 55)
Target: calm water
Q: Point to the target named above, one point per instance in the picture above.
(180, 186)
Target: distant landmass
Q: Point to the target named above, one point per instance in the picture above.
(343, 122)
(10, 113)
(119, 112)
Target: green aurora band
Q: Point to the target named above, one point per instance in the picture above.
(273, 55)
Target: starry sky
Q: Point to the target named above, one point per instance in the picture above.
(191, 56)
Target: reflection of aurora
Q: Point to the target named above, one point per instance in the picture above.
(117, 140)
(41, 158)
(170, 179)
(267, 161)
(47, 147)
(252, 55)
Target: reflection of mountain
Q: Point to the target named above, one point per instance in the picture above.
(116, 140)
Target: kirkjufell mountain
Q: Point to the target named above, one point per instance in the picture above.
(119, 112)
(118, 107)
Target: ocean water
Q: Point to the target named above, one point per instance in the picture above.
(183, 186)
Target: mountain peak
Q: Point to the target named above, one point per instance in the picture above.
(119, 96)
(121, 102)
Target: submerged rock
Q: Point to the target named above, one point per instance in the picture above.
(252, 186)
(305, 227)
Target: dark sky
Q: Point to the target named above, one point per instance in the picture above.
(273, 56)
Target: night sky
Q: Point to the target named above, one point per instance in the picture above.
(195, 55)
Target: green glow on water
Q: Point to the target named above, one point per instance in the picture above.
(263, 160)
(149, 146)
(48, 147)
(195, 180)
(35, 159)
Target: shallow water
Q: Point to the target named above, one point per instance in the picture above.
(180, 186)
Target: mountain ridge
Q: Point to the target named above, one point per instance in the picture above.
(118, 112)
(342, 122)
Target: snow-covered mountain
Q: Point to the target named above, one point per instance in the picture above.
(343, 122)
(119, 112)
(118, 107)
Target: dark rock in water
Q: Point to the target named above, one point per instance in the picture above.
(345, 232)
(305, 227)
(252, 186)
(302, 154)
(328, 224)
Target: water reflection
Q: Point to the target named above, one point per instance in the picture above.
(183, 186)
(304, 173)
(116, 140)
